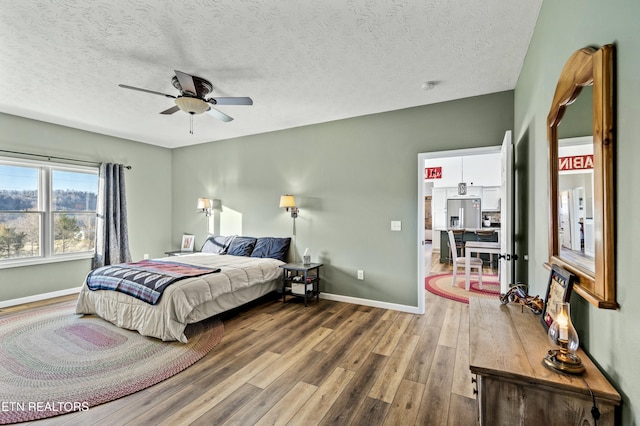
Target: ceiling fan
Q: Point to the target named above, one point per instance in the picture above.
(192, 98)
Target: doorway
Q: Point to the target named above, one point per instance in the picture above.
(430, 250)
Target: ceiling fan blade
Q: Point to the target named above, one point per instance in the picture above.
(231, 101)
(186, 82)
(219, 115)
(171, 110)
(145, 90)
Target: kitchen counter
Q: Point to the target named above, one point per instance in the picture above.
(469, 235)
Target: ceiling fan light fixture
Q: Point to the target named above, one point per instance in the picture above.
(191, 105)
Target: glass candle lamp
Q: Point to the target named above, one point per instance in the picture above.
(563, 335)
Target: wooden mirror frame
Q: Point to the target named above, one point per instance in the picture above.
(586, 67)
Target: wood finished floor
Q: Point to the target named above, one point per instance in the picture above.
(331, 363)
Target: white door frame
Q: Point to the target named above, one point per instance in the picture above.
(421, 159)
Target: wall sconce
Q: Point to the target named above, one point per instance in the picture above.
(204, 205)
(563, 334)
(289, 203)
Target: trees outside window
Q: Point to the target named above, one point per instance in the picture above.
(46, 210)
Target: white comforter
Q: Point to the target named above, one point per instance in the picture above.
(186, 301)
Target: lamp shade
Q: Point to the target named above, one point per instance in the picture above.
(204, 203)
(287, 201)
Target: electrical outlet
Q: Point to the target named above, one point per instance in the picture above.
(145, 256)
(396, 225)
(360, 274)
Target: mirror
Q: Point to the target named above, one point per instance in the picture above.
(575, 183)
(581, 193)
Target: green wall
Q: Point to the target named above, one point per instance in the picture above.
(148, 187)
(611, 337)
(351, 178)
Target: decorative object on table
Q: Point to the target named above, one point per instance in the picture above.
(562, 334)
(65, 362)
(187, 242)
(306, 257)
(558, 290)
(517, 293)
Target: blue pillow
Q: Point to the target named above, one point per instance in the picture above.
(241, 246)
(216, 244)
(275, 248)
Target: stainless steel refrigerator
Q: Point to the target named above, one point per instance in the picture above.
(464, 213)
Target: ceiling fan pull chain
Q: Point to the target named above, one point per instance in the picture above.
(191, 123)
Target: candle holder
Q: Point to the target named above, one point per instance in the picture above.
(563, 334)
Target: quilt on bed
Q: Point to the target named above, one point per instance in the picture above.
(145, 280)
(186, 301)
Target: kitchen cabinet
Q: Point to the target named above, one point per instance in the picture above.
(482, 169)
(439, 218)
(473, 191)
(440, 196)
(439, 206)
(491, 198)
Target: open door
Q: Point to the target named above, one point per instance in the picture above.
(506, 214)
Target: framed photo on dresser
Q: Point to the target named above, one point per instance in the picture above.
(558, 290)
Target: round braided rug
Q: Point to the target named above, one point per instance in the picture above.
(53, 361)
(441, 285)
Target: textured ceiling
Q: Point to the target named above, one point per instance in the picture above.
(302, 62)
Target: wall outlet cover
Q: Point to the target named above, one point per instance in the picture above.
(396, 225)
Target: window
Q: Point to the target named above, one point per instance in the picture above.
(47, 211)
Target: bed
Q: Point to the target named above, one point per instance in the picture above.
(246, 268)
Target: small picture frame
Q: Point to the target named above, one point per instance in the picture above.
(187, 242)
(558, 290)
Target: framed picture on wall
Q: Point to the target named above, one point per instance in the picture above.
(558, 290)
(187, 242)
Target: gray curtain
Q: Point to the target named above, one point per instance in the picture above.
(112, 240)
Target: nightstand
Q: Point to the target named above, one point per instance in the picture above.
(301, 280)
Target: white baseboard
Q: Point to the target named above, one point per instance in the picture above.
(39, 297)
(372, 303)
(328, 296)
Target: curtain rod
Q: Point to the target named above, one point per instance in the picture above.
(49, 157)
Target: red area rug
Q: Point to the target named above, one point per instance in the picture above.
(54, 362)
(441, 285)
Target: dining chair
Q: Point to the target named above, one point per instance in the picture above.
(461, 261)
(458, 236)
(486, 235)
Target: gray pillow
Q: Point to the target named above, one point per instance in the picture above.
(216, 244)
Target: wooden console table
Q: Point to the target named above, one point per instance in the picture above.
(506, 347)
